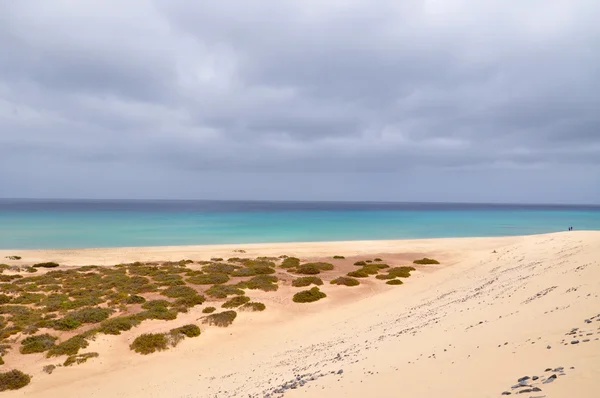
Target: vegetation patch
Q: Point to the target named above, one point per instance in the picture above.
(178, 291)
(209, 310)
(220, 268)
(267, 283)
(222, 291)
(290, 262)
(339, 257)
(377, 259)
(46, 265)
(189, 330)
(345, 281)
(304, 281)
(360, 263)
(221, 319)
(80, 358)
(115, 326)
(208, 279)
(236, 302)
(70, 346)
(426, 261)
(148, 343)
(39, 343)
(49, 369)
(134, 299)
(394, 282)
(401, 272)
(385, 276)
(13, 257)
(13, 380)
(253, 306)
(309, 296)
(361, 273)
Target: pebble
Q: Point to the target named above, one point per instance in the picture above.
(524, 378)
(588, 321)
(575, 342)
(534, 378)
(340, 371)
(548, 347)
(506, 393)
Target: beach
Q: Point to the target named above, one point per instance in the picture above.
(495, 310)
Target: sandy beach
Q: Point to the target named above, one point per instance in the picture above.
(495, 310)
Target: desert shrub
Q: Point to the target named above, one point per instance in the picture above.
(9, 278)
(368, 261)
(322, 266)
(166, 279)
(216, 259)
(236, 302)
(253, 306)
(4, 299)
(178, 291)
(222, 291)
(400, 272)
(385, 276)
(28, 298)
(46, 265)
(308, 296)
(13, 257)
(370, 269)
(190, 301)
(30, 269)
(80, 358)
(219, 268)
(394, 282)
(70, 346)
(380, 266)
(339, 257)
(377, 259)
(85, 315)
(361, 273)
(260, 262)
(360, 263)
(115, 326)
(161, 313)
(152, 304)
(187, 330)
(307, 269)
(148, 343)
(13, 380)
(252, 271)
(425, 261)
(267, 283)
(290, 262)
(343, 280)
(134, 299)
(209, 310)
(208, 279)
(39, 343)
(304, 281)
(49, 369)
(221, 319)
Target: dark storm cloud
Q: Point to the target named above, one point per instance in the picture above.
(334, 87)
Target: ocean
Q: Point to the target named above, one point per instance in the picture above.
(38, 224)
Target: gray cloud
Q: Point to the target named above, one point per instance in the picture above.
(144, 93)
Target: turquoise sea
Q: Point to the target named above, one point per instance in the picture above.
(29, 224)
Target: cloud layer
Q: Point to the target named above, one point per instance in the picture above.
(109, 98)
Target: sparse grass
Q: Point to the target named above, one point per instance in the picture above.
(394, 282)
(360, 263)
(339, 257)
(148, 343)
(39, 343)
(345, 281)
(222, 291)
(236, 302)
(426, 261)
(208, 279)
(304, 281)
(13, 380)
(253, 306)
(209, 310)
(46, 265)
(189, 330)
(4, 299)
(49, 369)
(309, 296)
(290, 262)
(221, 319)
(80, 358)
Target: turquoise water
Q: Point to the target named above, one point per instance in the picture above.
(26, 224)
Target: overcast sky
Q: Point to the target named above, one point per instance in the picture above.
(400, 100)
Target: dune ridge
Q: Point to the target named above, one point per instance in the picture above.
(496, 310)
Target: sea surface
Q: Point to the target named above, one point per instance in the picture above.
(33, 224)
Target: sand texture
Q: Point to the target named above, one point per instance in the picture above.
(495, 310)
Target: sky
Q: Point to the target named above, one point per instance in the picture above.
(374, 100)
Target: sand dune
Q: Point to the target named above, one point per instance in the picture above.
(467, 328)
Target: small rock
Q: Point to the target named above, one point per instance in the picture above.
(588, 321)
(548, 370)
(536, 389)
(548, 347)
(340, 371)
(575, 342)
(506, 393)
(524, 378)
(586, 340)
(534, 378)
(525, 390)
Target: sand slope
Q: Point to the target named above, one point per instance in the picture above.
(468, 328)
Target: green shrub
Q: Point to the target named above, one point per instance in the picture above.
(66, 324)
(70, 346)
(85, 315)
(308, 296)
(187, 330)
(380, 266)
(148, 343)
(267, 283)
(236, 302)
(360, 263)
(304, 281)
(152, 304)
(208, 279)
(368, 261)
(307, 269)
(251, 271)
(134, 299)
(342, 280)
(339, 257)
(253, 306)
(161, 313)
(394, 282)
(39, 343)
(13, 257)
(80, 358)
(221, 319)
(219, 268)
(361, 273)
(222, 291)
(370, 269)
(290, 262)
(178, 291)
(216, 259)
(4, 299)
(190, 301)
(13, 380)
(400, 272)
(115, 326)
(30, 269)
(426, 261)
(377, 259)
(385, 276)
(209, 310)
(46, 265)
